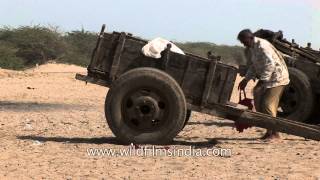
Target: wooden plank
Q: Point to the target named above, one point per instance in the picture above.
(96, 51)
(208, 82)
(108, 54)
(261, 120)
(186, 70)
(117, 56)
(228, 86)
(269, 122)
(291, 50)
(92, 80)
(166, 57)
(224, 90)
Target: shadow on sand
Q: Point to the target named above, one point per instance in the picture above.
(208, 143)
(76, 140)
(112, 140)
(213, 123)
(37, 106)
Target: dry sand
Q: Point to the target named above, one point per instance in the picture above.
(49, 120)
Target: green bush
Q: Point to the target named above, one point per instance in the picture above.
(77, 58)
(36, 44)
(80, 46)
(8, 58)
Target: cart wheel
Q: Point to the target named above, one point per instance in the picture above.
(297, 102)
(315, 116)
(188, 115)
(145, 106)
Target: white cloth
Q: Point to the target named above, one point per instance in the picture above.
(266, 63)
(157, 45)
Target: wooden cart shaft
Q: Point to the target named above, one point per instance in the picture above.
(261, 120)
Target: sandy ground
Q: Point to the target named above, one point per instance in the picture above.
(48, 120)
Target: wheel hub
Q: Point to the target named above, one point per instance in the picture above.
(144, 110)
(146, 107)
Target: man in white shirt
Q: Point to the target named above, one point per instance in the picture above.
(266, 64)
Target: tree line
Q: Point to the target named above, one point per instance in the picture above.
(24, 47)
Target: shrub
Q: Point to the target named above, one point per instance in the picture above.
(8, 58)
(36, 44)
(80, 46)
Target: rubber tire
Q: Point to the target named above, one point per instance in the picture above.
(141, 77)
(300, 81)
(315, 117)
(188, 115)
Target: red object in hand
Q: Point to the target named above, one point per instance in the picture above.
(245, 102)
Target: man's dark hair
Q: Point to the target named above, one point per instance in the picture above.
(245, 34)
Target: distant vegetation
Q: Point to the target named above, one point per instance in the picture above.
(27, 46)
(229, 54)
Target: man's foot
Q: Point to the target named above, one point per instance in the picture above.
(270, 136)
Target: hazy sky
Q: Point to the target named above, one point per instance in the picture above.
(216, 21)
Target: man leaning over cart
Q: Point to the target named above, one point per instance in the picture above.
(266, 64)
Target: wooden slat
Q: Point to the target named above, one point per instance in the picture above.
(209, 82)
(166, 57)
(96, 50)
(287, 49)
(117, 56)
(186, 70)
